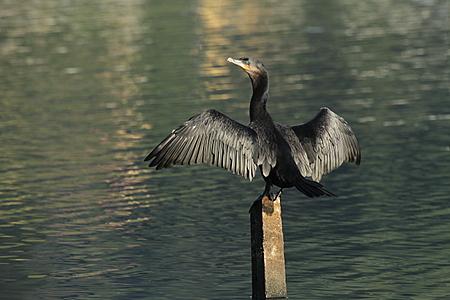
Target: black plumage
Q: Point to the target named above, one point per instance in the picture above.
(285, 155)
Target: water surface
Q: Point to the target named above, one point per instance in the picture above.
(88, 88)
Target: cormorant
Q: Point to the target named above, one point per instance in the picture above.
(285, 155)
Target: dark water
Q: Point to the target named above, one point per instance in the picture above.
(87, 88)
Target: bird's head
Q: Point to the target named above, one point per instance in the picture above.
(253, 67)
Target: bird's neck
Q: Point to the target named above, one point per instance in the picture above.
(259, 99)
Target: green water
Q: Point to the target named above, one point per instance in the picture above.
(87, 88)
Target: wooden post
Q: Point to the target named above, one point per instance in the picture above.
(268, 267)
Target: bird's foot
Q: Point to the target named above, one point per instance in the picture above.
(274, 197)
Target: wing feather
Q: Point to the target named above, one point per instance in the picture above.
(209, 138)
(329, 142)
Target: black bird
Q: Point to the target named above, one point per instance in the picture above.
(285, 155)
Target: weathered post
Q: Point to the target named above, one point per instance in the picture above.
(268, 267)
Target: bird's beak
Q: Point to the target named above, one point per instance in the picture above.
(239, 63)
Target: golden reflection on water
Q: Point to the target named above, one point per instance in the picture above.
(124, 88)
(218, 19)
(213, 65)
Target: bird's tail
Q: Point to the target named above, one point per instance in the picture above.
(311, 188)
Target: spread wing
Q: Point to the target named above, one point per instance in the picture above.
(209, 138)
(329, 142)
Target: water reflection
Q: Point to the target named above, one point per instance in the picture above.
(88, 88)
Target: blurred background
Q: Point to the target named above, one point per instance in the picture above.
(88, 88)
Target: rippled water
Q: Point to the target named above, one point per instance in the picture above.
(88, 88)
